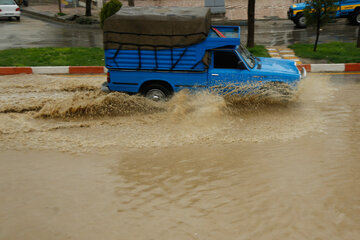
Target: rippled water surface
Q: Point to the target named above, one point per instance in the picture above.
(76, 163)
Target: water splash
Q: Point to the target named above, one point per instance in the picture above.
(98, 104)
(69, 115)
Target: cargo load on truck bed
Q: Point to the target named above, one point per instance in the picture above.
(163, 39)
(160, 27)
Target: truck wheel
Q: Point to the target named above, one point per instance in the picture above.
(156, 92)
(354, 18)
(300, 21)
(357, 17)
(17, 18)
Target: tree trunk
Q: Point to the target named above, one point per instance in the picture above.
(358, 39)
(88, 8)
(317, 32)
(59, 2)
(131, 3)
(251, 24)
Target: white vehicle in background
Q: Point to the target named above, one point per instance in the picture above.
(8, 8)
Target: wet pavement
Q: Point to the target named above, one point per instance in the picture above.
(80, 164)
(32, 32)
(284, 33)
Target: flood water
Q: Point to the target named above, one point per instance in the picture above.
(76, 163)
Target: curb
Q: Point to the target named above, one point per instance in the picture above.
(53, 70)
(338, 67)
(49, 16)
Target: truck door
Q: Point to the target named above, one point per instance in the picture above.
(227, 69)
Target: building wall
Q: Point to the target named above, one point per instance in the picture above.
(235, 9)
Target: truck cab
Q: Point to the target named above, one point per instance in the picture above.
(345, 9)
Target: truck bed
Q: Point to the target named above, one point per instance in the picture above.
(186, 58)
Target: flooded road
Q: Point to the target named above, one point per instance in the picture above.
(79, 164)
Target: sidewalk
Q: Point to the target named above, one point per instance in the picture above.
(282, 52)
(72, 15)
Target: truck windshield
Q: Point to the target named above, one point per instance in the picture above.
(247, 56)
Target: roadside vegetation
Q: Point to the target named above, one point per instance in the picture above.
(20, 57)
(52, 57)
(109, 9)
(318, 13)
(334, 52)
(259, 51)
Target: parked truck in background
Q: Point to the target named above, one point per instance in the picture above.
(159, 51)
(345, 9)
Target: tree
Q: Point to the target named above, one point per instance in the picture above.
(88, 8)
(251, 24)
(318, 13)
(59, 3)
(109, 9)
(131, 3)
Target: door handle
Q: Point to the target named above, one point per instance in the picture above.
(214, 74)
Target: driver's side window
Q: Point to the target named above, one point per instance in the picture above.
(225, 59)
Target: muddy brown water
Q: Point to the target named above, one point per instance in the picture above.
(79, 164)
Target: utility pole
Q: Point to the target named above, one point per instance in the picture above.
(251, 24)
(358, 39)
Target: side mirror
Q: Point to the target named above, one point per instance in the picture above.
(241, 65)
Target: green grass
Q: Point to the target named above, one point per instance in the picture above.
(68, 56)
(52, 57)
(259, 51)
(334, 52)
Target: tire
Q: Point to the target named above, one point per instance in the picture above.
(17, 18)
(156, 92)
(355, 18)
(300, 21)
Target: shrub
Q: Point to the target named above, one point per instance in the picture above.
(109, 9)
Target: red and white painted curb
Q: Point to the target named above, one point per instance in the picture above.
(336, 67)
(53, 70)
(339, 67)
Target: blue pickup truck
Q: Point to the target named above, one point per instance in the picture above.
(345, 9)
(157, 61)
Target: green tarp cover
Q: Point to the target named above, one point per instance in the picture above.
(156, 27)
